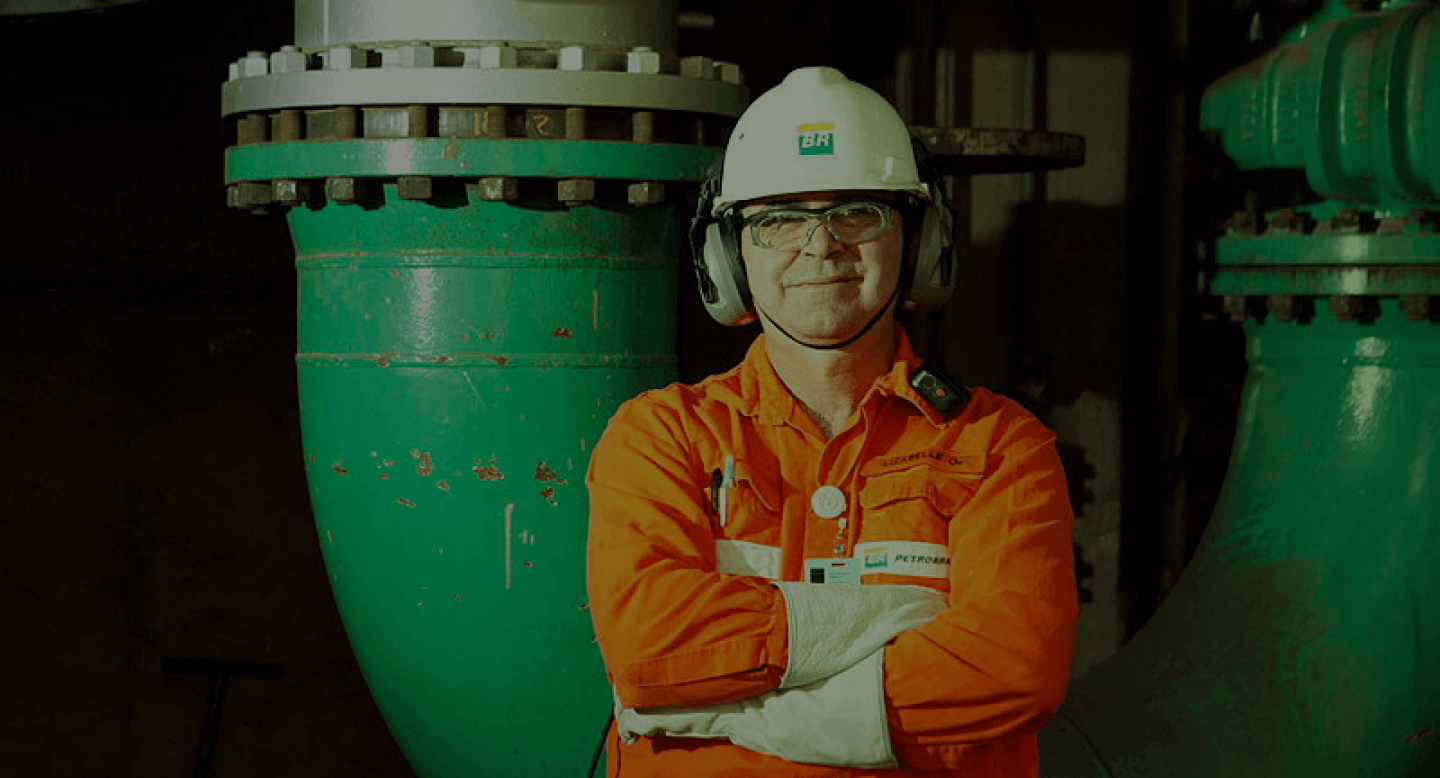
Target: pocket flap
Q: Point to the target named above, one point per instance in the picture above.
(945, 492)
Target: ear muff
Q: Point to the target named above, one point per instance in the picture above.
(933, 253)
(715, 248)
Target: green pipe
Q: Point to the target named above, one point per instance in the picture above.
(1301, 639)
(455, 367)
(1351, 103)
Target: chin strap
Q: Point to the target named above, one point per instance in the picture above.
(843, 343)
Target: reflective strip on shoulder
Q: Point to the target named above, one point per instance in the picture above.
(738, 557)
(904, 557)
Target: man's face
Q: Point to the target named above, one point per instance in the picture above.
(824, 291)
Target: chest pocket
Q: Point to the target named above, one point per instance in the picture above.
(749, 541)
(905, 521)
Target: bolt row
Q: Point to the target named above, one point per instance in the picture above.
(1344, 307)
(640, 60)
(483, 121)
(348, 190)
(1288, 221)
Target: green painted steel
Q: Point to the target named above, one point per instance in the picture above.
(467, 157)
(1356, 103)
(1301, 639)
(456, 365)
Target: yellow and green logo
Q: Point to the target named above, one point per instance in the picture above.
(816, 139)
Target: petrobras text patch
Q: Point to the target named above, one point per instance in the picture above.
(904, 557)
(816, 139)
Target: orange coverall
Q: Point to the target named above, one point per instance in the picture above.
(684, 613)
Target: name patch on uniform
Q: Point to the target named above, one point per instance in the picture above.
(737, 557)
(816, 139)
(833, 571)
(904, 557)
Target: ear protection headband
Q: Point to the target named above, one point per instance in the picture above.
(927, 277)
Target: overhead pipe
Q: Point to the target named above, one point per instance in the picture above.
(1301, 638)
(486, 200)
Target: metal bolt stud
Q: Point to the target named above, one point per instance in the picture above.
(491, 57)
(1416, 307)
(730, 73)
(645, 193)
(1285, 222)
(415, 55)
(415, 187)
(577, 58)
(255, 63)
(1348, 220)
(1235, 307)
(642, 59)
(1417, 220)
(288, 59)
(576, 191)
(697, 67)
(1346, 307)
(345, 58)
(344, 189)
(252, 194)
(290, 191)
(1282, 306)
(1240, 224)
(496, 189)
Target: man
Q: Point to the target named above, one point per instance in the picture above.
(732, 520)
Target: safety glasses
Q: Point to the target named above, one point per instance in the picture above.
(787, 229)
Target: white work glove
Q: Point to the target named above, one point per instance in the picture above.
(833, 627)
(836, 721)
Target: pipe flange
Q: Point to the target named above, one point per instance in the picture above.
(482, 74)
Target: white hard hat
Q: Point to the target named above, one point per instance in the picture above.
(817, 131)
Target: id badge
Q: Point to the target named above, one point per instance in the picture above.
(833, 571)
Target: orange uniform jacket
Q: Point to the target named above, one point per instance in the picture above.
(974, 505)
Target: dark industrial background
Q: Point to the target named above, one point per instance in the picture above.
(151, 486)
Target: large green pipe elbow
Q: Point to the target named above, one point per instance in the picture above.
(1356, 103)
(486, 235)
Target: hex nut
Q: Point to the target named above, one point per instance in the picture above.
(344, 189)
(254, 193)
(232, 196)
(576, 191)
(494, 57)
(1239, 224)
(730, 73)
(495, 189)
(1282, 306)
(642, 59)
(415, 55)
(1348, 220)
(288, 60)
(645, 193)
(1346, 307)
(697, 67)
(290, 191)
(345, 58)
(415, 187)
(1284, 222)
(256, 63)
(1416, 307)
(577, 58)
(234, 71)
(1235, 307)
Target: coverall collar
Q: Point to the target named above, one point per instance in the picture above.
(764, 396)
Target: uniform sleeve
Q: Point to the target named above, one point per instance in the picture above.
(672, 630)
(995, 663)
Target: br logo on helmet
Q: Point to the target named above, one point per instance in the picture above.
(816, 139)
